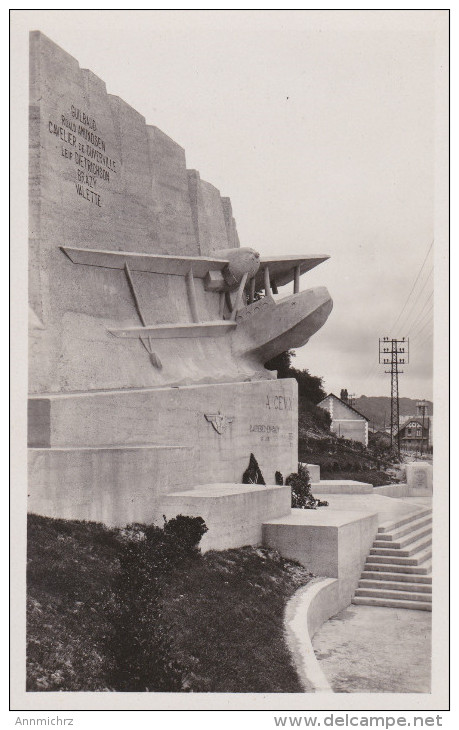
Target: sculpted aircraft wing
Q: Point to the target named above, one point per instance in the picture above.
(151, 263)
(283, 269)
(237, 264)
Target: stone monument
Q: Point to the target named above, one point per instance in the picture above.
(148, 336)
(419, 478)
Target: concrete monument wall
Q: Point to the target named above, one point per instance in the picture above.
(146, 358)
(221, 423)
(101, 178)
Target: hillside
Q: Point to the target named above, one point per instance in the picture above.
(139, 610)
(340, 458)
(377, 408)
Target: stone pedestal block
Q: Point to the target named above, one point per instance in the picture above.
(314, 472)
(233, 513)
(330, 543)
(223, 424)
(419, 477)
(116, 486)
(340, 486)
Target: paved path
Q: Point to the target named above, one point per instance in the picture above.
(376, 649)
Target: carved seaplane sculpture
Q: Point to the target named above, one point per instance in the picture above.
(260, 326)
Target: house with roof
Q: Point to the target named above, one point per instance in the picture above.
(346, 421)
(416, 435)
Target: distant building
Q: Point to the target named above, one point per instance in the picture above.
(380, 436)
(415, 433)
(345, 420)
(414, 436)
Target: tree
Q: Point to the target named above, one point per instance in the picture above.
(309, 386)
(282, 363)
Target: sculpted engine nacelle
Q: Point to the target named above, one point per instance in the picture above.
(243, 264)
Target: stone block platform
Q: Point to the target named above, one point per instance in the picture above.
(340, 486)
(329, 542)
(233, 513)
(335, 541)
(115, 485)
(221, 424)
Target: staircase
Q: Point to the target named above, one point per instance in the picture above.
(398, 571)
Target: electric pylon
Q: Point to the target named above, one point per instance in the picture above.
(394, 352)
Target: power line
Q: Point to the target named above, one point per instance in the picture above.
(423, 328)
(419, 321)
(419, 345)
(412, 288)
(422, 309)
(419, 294)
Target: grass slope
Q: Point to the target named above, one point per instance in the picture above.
(70, 566)
(224, 611)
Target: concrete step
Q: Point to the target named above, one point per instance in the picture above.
(405, 529)
(390, 526)
(402, 542)
(381, 575)
(392, 603)
(388, 593)
(395, 585)
(411, 549)
(394, 568)
(415, 559)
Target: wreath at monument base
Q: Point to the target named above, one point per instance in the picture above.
(302, 497)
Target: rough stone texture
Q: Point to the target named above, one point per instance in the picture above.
(233, 513)
(419, 477)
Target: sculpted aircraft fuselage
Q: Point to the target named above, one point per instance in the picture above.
(260, 327)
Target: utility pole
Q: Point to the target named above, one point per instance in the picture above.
(394, 352)
(422, 406)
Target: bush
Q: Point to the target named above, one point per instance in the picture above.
(301, 490)
(140, 643)
(185, 533)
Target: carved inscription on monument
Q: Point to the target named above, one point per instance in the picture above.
(265, 430)
(83, 147)
(420, 479)
(279, 402)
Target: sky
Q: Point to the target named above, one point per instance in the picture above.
(320, 127)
